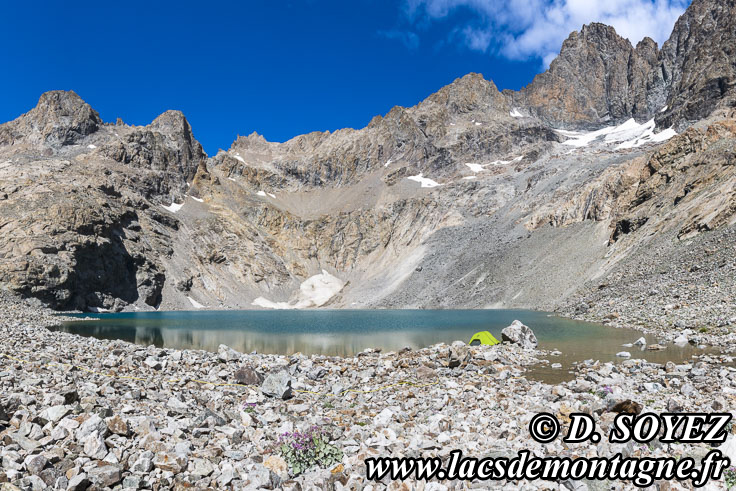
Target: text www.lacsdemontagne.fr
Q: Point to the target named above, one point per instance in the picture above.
(641, 471)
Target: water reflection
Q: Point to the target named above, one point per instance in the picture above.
(345, 333)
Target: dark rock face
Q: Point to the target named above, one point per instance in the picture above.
(79, 230)
(698, 62)
(89, 259)
(598, 77)
(167, 147)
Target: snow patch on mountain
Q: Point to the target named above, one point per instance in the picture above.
(424, 181)
(173, 207)
(313, 292)
(628, 135)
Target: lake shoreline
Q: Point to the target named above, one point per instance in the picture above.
(150, 432)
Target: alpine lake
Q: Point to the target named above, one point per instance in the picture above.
(347, 332)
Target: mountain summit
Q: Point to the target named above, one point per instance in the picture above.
(617, 159)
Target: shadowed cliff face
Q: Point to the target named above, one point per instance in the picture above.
(600, 77)
(698, 62)
(471, 198)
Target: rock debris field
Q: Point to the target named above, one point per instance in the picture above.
(124, 416)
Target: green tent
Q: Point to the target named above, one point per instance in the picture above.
(483, 337)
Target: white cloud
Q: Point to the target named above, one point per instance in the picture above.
(527, 29)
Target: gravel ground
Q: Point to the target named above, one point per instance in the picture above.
(669, 287)
(79, 413)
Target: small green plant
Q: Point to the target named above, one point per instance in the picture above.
(703, 330)
(328, 405)
(730, 477)
(304, 450)
(604, 391)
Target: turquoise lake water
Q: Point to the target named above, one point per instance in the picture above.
(346, 332)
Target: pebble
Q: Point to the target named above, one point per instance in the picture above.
(81, 429)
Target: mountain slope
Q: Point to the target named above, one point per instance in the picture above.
(471, 198)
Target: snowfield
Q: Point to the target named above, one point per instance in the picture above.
(195, 304)
(173, 207)
(628, 135)
(313, 292)
(424, 181)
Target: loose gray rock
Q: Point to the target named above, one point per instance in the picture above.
(520, 334)
(104, 476)
(316, 373)
(458, 355)
(226, 353)
(35, 463)
(94, 446)
(78, 483)
(278, 385)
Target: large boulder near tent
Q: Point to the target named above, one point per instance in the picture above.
(520, 334)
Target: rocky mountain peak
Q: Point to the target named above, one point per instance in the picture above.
(698, 62)
(171, 122)
(469, 93)
(60, 118)
(598, 77)
(254, 141)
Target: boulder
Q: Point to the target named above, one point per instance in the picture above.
(458, 355)
(35, 463)
(316, 373)
(681, 340)
(425, 373)
(226, 353)
(117, 426)
(278, 384)
(55, 413)
(248, 376)
(104, 476)
(627, 406)
(518, 333)
(78, 483)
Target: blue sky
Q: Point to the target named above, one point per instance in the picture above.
(286, 68)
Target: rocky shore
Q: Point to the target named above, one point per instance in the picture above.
(80, 413)
(672, 288)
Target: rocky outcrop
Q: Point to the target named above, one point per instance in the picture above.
(521, 334)
(598, 77)
(60, 118)
(697, 62)
(687, 183)
(81, 227)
